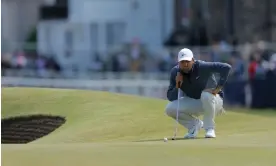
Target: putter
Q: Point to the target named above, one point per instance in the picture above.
(177, 111)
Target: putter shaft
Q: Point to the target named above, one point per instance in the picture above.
(177, 112)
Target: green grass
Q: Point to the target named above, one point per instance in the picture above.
(114, 129)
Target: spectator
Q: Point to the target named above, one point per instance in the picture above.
(6, 62)
(238, 67)
(97, 63)
(273, 63)
(41, 66)
(21, 60)
(53, 65)
(255, 69)
(123, 62)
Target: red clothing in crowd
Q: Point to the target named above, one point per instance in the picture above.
(252, 69)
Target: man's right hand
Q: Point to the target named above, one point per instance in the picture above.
(178, 80)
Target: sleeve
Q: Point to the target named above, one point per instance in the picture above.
(172, 90)
(218, 67)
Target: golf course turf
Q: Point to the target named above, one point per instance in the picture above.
(104, 128)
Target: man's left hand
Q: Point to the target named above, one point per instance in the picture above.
(214, 91)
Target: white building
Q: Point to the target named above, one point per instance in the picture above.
(18, 18)
(97, 25)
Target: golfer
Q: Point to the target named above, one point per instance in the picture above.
(202, 93)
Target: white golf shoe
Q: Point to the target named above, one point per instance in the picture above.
(193, 132)
(210, 133)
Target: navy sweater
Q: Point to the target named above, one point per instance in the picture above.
(201, 77)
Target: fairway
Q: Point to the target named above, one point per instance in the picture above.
(104, 128)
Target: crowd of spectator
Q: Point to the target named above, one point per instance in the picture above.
(249, 60)
(21, 60)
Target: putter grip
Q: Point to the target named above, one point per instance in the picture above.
(178, 83)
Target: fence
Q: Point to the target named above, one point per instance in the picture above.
(68, 74)
(264, 91)
(258, 93)
(141, 87)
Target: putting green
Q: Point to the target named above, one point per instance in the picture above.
(114, 129)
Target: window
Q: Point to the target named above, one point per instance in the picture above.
(115, 33)
(68, 40)
(48, 39)
(94, 31)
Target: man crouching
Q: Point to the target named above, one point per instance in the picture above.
(192, 77)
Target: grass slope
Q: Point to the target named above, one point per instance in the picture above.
(115, 129)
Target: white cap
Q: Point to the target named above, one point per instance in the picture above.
(185, 55)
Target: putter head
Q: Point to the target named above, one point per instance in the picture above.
(173, 138)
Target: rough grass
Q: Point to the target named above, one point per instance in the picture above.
(114, 129)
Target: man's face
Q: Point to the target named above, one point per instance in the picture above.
(186, 66)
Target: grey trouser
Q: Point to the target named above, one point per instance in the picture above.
(190, 109)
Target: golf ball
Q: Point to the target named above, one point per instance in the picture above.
(165, 139)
